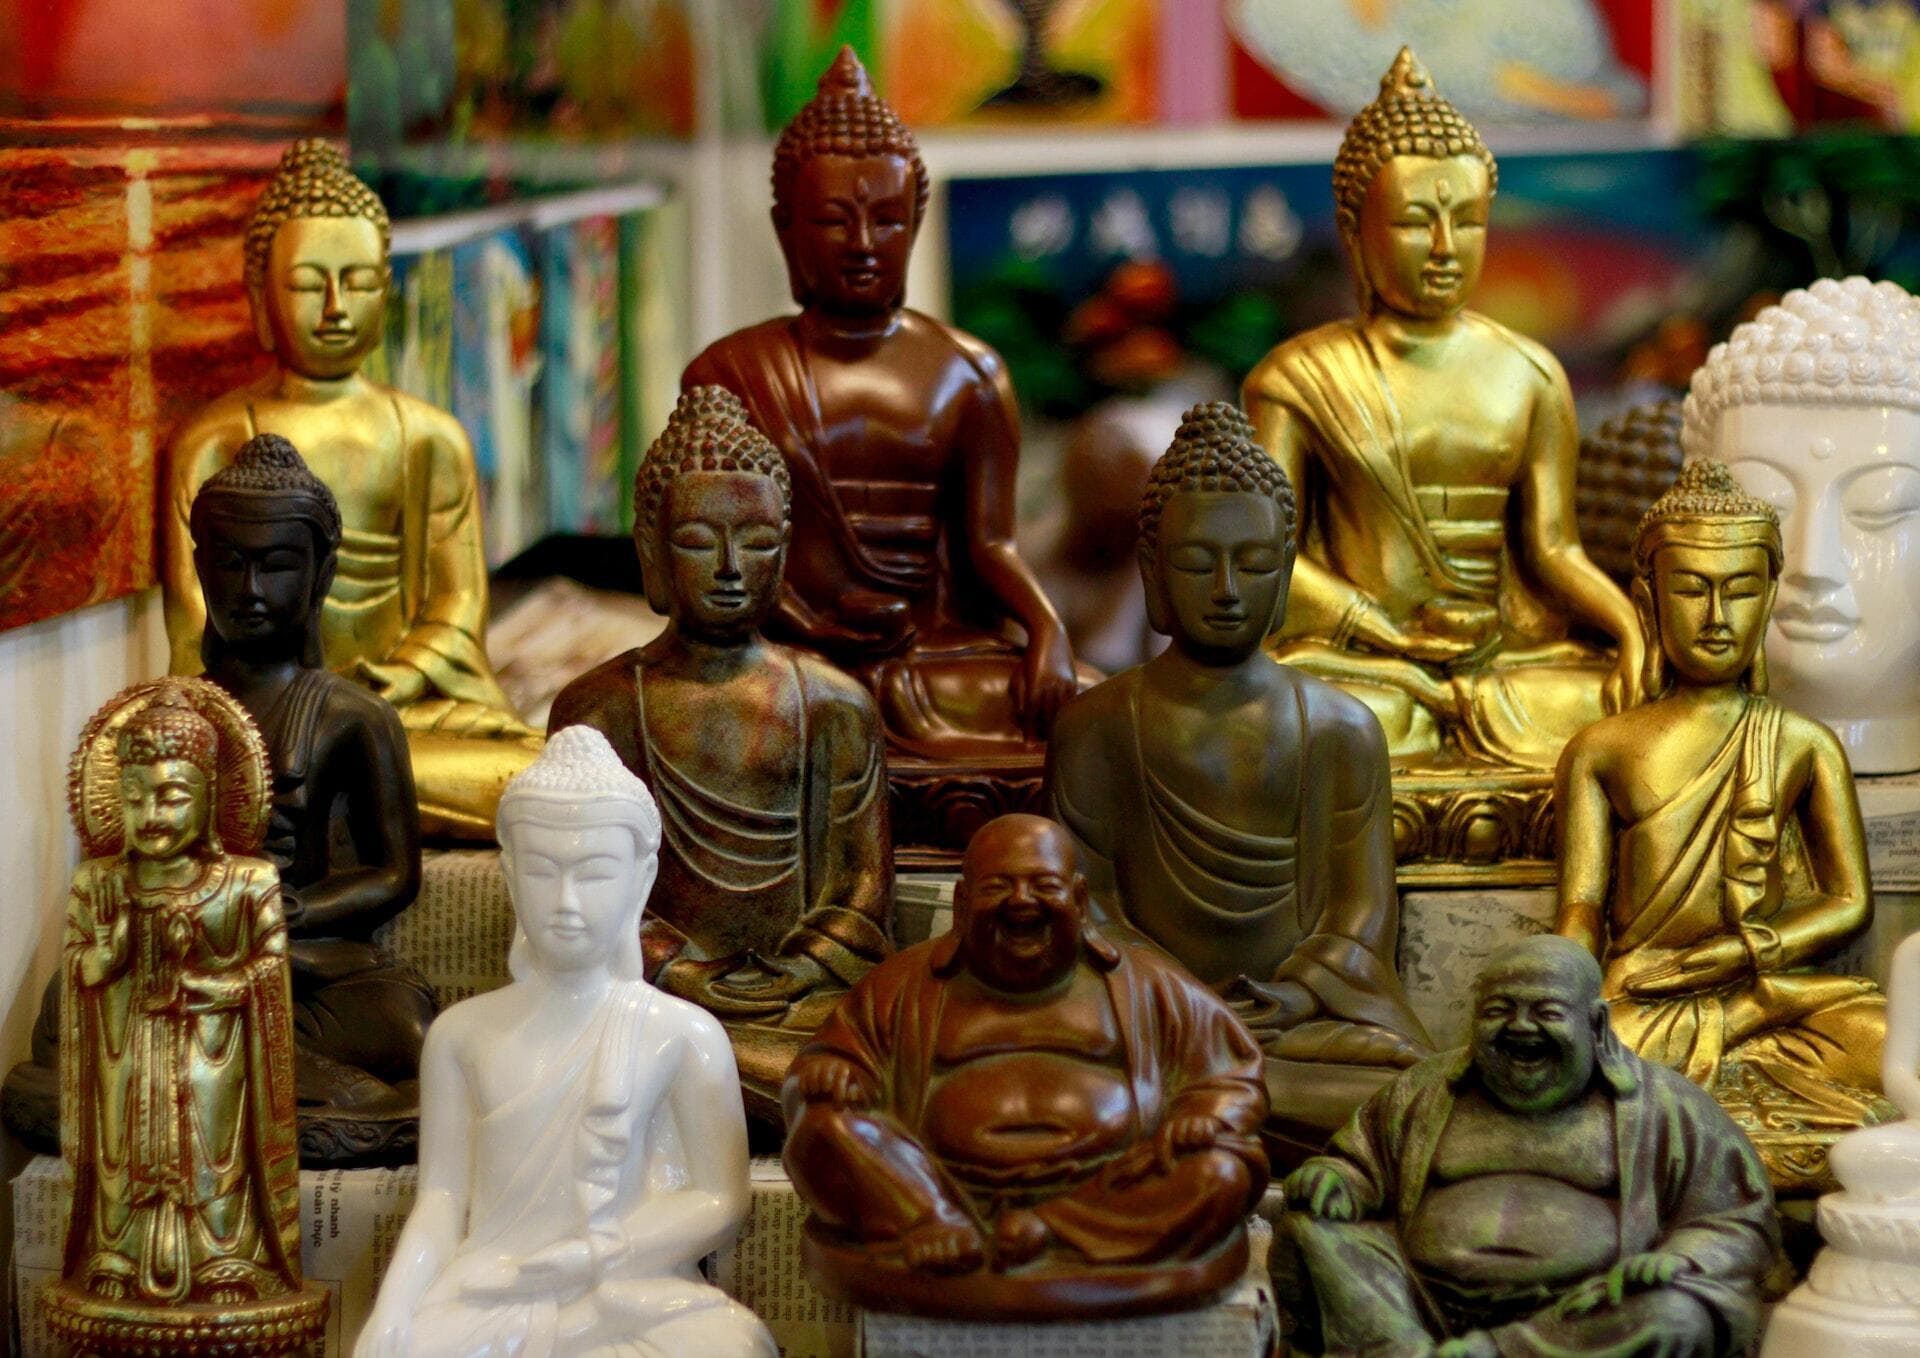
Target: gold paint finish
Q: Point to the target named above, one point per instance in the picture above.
(406, 614)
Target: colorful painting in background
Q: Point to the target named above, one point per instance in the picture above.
(447, 73)
(527, 329)
(134, 138)
(1773, 67)
(1096, 284)
(1498, 61)
(994, 62)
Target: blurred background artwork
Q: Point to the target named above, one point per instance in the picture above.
(134, 139)
(1544, 60)
(457, 72)
(1773, 67)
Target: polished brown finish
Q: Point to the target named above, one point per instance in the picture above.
(903, 440)
(1712, 853)
(1023, 1120)
(177, 1084)
(1540, 1191)
(776, 872)
(1236, 812)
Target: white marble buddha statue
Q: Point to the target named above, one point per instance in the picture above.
(582, 1143)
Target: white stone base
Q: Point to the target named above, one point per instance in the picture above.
(1808, 1325)
(1446, 936)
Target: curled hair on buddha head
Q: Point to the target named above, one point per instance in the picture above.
(1409, 117)
(1845, 342)
(1214, 450)
(579, 780)
(268, 479)
(708, 431)
(313, 180)
(844, 118)
(1705, 507)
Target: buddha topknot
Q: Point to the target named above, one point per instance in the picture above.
(1213, 450)
(708, 431)
(844, 118)
(313, 180)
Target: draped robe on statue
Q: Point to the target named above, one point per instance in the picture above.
(1516, 701)
(1230, 902)
(846, 541)
(578, 1154)
(1684, 1188)
(1717, 859)
(783, 882)
(178, 1126)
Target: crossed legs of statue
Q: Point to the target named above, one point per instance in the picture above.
(1369, 1304)
(866, 1180)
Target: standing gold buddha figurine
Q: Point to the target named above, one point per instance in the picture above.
(407, 611)
(1434, 451)
(177, 1087)
(1712, 849)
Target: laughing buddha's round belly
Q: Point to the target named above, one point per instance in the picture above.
(1513, 1229)
(1012, 1109)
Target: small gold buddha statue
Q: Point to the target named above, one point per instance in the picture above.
(776, 871)
(903, 441)
(1434, 450)
(177, 1083)
(407, 611)
(1712, 851)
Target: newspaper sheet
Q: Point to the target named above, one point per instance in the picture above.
(1890, 806)
(457, 932)
(761, 1270)
(350, 1219)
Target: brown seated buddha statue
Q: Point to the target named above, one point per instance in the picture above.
(902, 440)
(776, 870)
(1234, 812)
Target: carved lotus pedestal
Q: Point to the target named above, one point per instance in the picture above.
(1476, 825)
(1862, 1298)
(937, 806)
(94, 1327)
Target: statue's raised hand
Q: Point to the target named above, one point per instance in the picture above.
(1322, 1191)
(1709, 964)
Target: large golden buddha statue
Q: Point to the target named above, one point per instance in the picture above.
(1712, 852)
(407, 611)
(1440, 565)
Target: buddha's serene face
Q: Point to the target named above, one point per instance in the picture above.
(1217, 577)
(1533, 1037)
(1711, 605)
(321, 305)
(1020, 906)
(163, 807)
(725, 542)
(577, 887)
(1845, 640)
(258, 577)
(848, 233)
(1423, 233)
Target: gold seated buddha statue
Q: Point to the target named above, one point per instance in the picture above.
(407, 611)
(1440, 578)
(1712, 851)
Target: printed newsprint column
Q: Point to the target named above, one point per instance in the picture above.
(1241, 1324)
(457, 933)
(1890, 806)
(762, 1272)
(350, 1219)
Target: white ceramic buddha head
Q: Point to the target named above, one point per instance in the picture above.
(1814, 405)
(579, 844)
